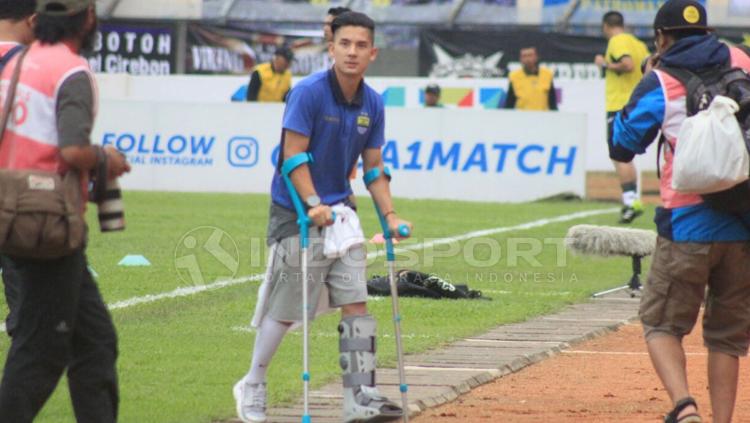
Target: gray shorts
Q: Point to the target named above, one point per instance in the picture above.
(345, 278)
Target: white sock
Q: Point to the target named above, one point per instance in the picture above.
(267, 340)
(629, 198)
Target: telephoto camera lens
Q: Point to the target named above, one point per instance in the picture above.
(106, 194)
(111, 208)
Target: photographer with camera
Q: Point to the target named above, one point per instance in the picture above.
(45, 158)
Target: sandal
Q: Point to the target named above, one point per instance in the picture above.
(681, 405)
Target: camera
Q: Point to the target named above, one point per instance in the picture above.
(106, 194)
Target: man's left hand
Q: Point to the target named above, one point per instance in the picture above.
(600, 61)
(117, 162)
(394, 223)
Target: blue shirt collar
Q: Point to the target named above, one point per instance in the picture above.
(338, 94)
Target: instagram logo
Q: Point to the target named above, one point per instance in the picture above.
(242, 152)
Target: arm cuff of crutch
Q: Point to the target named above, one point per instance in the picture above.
(294, 162)
(373, 174)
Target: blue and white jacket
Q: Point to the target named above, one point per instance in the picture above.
(659, 104)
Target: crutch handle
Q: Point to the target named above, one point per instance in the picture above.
(310, 222)
(404, 231)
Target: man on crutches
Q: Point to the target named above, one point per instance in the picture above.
(332, 119)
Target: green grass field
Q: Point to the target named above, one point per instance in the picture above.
(179, 357)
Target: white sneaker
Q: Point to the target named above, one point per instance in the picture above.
(251, 401)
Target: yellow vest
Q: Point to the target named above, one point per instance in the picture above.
(619, 87)
(273, 86)
(532, 91)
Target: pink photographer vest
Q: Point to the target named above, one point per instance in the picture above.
(31, 137)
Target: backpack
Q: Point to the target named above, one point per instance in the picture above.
(702, 88)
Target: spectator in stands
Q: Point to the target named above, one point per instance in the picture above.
(332, 14)
(531, 87)
(621, 65)
(270, 82)
(432, 96)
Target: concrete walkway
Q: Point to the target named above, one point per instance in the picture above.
(439, 376)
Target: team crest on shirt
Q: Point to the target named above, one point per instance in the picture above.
(363, 123)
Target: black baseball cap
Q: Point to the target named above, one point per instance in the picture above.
(62, 7)
(681, 14)
(433, 89)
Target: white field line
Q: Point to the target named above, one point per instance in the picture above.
(495, 231)
(184, 292)
(192, 290)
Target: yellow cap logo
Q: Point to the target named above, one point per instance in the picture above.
(691, 14)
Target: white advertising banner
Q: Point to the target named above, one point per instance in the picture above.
(575, 96)
(481, 155)
(459, 154)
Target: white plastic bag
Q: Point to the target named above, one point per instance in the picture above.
(711, 155)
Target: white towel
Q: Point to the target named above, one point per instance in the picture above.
(345, 233)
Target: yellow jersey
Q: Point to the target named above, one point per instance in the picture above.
(274, 86)
(532, 91)
(619, 87)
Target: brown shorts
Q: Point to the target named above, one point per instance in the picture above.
(676, 288)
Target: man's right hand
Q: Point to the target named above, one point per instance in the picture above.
(651, 63)
(117, 163)
(321, 215)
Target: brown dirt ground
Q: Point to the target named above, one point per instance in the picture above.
(609, 379)
(604, 186)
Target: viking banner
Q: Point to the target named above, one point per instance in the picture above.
(237, 49)
(489, 54)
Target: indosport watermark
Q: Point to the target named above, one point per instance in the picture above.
(208, 254)
(206, 251)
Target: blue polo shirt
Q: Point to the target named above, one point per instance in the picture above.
(339, 132)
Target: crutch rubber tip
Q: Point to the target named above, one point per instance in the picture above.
(404, 388)
(306, 419)
(306, 377)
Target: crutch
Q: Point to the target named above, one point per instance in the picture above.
(303, 221)
(371, 176)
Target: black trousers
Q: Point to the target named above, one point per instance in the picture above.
(59, 323)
